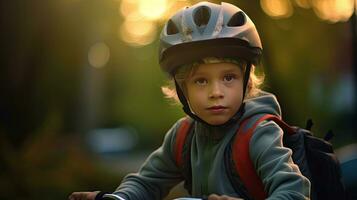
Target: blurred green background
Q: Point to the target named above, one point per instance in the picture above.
(80, 97)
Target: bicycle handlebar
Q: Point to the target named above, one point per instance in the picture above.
(116, 197)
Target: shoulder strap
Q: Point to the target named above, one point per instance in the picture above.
(181, 136)
(240, 154)
(182, 152)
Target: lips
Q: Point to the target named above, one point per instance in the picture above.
(217, 109)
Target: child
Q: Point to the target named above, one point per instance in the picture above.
(210, 50)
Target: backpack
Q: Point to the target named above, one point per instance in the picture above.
(314, 157)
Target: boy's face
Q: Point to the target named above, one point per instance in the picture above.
(215, 91)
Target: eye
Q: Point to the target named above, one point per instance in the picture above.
(229, 78)
(201, 81)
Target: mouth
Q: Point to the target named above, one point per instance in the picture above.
(217, 109)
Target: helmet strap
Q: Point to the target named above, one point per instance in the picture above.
(246, 78)
(186, 107)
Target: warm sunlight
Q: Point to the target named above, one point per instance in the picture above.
(138, 33)
(333, 10)
(153, 9)
(303, 3)
(140, 20)
(277, 8)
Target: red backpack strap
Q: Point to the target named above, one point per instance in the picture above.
(181, 136)
(240, 153)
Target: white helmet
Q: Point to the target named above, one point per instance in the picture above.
(208, 30)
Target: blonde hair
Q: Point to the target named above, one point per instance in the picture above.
(253, 86)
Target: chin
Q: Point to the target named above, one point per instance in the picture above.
(216, 122)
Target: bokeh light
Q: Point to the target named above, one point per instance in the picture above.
(138, 33)
(142, 18)
(303, 3)
(152, 9)
(333, 10)
(127, 6)
(129, 10)
(98, 55)
(277, 8)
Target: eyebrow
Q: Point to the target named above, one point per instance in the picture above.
(232, 71)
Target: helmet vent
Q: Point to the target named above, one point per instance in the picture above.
(238, 19)
(171, 28)
(202, 16)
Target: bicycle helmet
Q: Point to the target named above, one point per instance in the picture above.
(208, 30)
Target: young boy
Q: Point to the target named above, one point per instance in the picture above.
(210, 50)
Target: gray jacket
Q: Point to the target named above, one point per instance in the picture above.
(273, 163)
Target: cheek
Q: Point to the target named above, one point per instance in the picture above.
(191, 96)
(195, 98)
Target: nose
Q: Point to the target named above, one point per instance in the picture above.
(216, 91)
